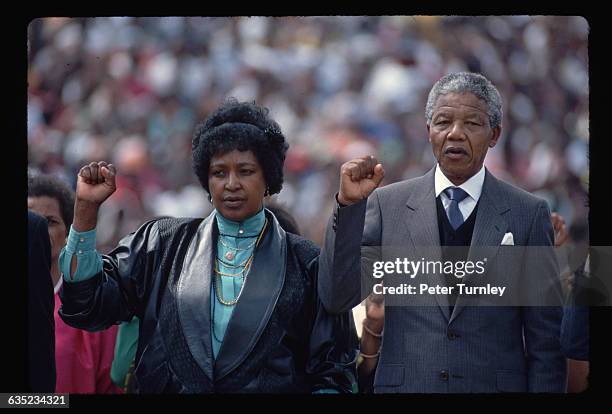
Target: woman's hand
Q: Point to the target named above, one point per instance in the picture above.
(96, 182)
(358, 178)
(375, 312)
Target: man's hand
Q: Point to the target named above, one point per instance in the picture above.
(358, 178)
(96, 182)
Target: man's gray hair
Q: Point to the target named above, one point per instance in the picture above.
(474, 83)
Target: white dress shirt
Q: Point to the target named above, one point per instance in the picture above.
(473, 187)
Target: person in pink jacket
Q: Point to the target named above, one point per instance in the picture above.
(83, 359)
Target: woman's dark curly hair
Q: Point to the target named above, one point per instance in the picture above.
(54, 187)
(240, 126)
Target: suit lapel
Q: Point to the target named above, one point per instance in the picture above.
(489, 230)
(193, 298)
(421, 224)
(262, 288)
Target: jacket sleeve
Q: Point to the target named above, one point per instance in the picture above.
(542, 324)
(120, 290)
(333, 348)
(352, 244)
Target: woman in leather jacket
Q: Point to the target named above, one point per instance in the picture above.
(227, 303)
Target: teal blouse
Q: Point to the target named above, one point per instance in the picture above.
(235, 245)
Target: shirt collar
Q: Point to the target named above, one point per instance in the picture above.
(473, 186)
(246, 228)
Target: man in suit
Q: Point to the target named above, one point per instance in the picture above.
(41, 327)
(446, 345)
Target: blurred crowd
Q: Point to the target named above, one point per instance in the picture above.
(131, 90)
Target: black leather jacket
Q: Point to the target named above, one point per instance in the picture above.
(279, 338)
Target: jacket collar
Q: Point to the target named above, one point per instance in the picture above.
(489, 230)
(421, 224)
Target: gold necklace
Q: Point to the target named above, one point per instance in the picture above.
(219, 260)
(220, 296)
(231, 255)
(246, 266)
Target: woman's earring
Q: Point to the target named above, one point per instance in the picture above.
(210, 198)
(267, 193)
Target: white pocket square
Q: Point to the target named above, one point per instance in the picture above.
(508, 240)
